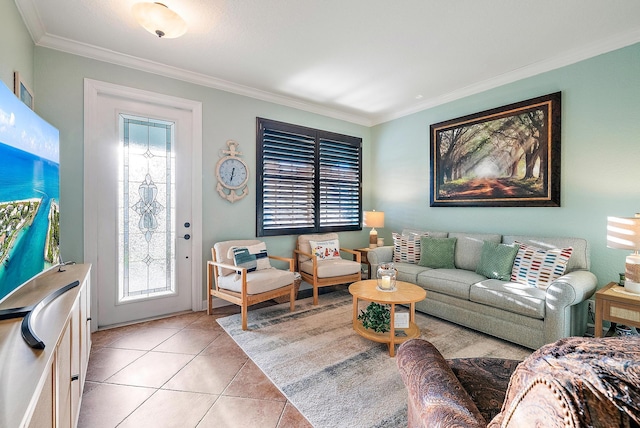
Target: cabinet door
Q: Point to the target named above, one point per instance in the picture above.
(43, 415)
(85, 330)
(63, 378)
(76, 359)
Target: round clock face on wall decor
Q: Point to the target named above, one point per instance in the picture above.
(232, 173)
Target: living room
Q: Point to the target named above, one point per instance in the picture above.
(599, 175)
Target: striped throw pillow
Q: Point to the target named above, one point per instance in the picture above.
(253, 257)
(537, 267)
(406, 248)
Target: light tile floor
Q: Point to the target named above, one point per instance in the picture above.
(182, 371)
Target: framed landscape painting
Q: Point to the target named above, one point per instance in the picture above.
(22, 91)
(507, 156)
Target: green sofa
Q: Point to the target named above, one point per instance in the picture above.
(521, 314)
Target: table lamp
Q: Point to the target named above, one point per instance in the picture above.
(624, 233)
(373, 219)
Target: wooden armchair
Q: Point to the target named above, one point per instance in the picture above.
(241, 274)
(323, 265)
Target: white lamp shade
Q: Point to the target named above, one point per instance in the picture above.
(158, 19)
(623, 232)
(373, 219)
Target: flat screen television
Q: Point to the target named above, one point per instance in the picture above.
(29, 194)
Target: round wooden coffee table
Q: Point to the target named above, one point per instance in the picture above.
(405, 293)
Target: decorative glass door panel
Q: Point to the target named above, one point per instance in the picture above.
(146, 211)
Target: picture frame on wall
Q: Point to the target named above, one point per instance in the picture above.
(504, 157)
(22, 91)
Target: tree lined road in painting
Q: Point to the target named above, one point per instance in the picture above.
(501, 158)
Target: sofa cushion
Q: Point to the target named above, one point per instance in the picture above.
(486, 381)
(469, 248)
(437, 253)
(432, 233)
(510, 296)
(407, 272)
(453, 282)
(537, 267)
(332, 267)
(496, 260)
(406, 248)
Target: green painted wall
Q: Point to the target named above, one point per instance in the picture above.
(600, 148)
(600, 156)
(60, 78)
(16, 47)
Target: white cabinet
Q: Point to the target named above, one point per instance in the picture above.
(50, 392)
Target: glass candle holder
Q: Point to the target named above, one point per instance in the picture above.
(386, 277)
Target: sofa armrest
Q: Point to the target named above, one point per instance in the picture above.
(378, 256)
(572, 288)
(436, 396)
(566, 312)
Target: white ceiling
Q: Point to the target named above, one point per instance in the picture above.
(365, 61)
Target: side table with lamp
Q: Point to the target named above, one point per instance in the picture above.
(371, 219)
(616, 303)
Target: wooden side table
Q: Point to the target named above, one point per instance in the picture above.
(364, 260)
(615, 304)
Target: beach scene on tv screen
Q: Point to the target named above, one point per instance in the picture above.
(29, 193)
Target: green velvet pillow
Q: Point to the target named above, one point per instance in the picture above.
(437, 253)
(496, 260)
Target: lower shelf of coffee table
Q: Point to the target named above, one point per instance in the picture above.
(410, 333)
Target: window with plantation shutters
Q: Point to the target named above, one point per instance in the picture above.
(307, 180)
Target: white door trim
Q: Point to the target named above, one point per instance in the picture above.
(92, 89)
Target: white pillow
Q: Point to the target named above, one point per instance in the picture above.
(252, 257)
(406, 247)
(326, 250)
(537, 267)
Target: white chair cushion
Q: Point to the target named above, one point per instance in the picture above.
(331, 268)
(258, 281)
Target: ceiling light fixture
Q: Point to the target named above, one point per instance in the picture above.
(158, 19)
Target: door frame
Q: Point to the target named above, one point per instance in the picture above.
(92, 90)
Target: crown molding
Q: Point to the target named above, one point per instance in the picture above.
(38, 33)
(572, 57)
(31, 19)
(112, 57)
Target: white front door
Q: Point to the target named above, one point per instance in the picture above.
(139, 211)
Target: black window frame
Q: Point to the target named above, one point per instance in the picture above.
(327, 147)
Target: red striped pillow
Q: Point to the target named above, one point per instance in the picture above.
(537, 267)
(406, 248)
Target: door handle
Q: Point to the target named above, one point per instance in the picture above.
(187, 237)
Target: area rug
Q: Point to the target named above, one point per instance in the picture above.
(335, 377)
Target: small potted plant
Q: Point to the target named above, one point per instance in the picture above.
(376, 317)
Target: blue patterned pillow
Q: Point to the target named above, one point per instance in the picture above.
(253, 257)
